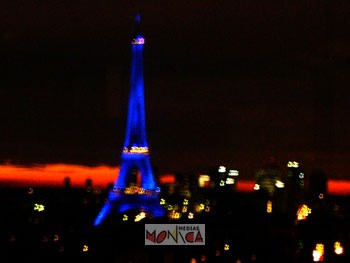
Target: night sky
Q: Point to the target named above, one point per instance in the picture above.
(226, 82)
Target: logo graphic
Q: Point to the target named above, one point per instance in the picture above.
(174, 234)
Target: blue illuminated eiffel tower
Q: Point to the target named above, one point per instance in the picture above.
(135, 187)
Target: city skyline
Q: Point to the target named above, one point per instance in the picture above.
(229, 84)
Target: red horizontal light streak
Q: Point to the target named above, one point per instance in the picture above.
(54, 175)
(338, 187)
(245, 185)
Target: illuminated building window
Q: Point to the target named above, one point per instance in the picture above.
(85, 248)
(318, 253)
(39, 207)
(230, 181)
(222, 169)
(226, 247)
(338, 248)
(269, 207)
(303, 212)
(204, 180)
(200, 208)
(140, 216)
(174, 215)
(293, 164)
(56, 237)
(279, 184)
(233, 172)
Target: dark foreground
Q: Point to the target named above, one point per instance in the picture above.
(236, 231)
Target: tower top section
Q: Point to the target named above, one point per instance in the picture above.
(137, 18)
(138, 38)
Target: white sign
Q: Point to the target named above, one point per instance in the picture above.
(174, 234)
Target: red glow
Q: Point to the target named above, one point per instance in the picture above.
(245, 186)
(335, 187)
(167, 179)
(338, 187)
(55, 174)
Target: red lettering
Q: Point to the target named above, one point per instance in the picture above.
(151, 236)
(199, 238)
(189, 237)
(161, 236)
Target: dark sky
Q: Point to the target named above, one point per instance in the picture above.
(226, 82)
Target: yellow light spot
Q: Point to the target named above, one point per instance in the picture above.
(279, 184)
(140, 216)
(338, 248)
(135, 149)
(222, 169)
(269, 207)
(39, 207)
(85, 248)
(293, 164)
(303, 212)
(318, 252)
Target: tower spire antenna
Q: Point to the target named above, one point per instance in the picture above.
(138, 24)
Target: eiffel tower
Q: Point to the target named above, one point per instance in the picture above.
(135, 187)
